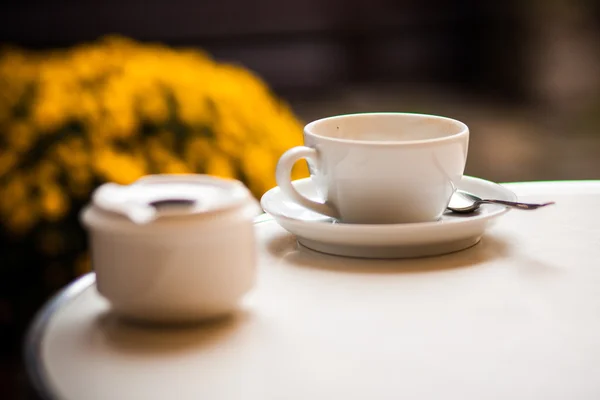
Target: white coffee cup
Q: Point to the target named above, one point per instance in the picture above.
(378, 168)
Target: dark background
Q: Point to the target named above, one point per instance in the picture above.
(300, 46)
(524, 75)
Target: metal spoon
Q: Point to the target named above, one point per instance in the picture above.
(464, 202)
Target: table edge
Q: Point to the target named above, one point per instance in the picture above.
(561, 181)
(33, 339)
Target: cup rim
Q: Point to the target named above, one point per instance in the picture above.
(464, 130)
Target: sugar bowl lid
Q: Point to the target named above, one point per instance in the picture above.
(156, 196)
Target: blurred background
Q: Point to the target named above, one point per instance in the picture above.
(524, 75)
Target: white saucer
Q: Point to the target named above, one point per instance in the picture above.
(453, 232)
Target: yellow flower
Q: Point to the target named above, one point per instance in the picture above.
(54, 203)
(229, 145)
(5, 109)
(46, 171)
(117, 104)
(14, 192)
(88, 107)
(116, 109)
(300, 170)
(120, 122)
(118, 167)
(7, 161)
(56, 99)
(156, 151)
(175, 166)
(231, 134)
(47, 113)
(80, 181)
(152, 104)
(259, 166)
(196, 152)
(166, 139)
(219, 165)
(71, 154)
(20, 136)
(191, 107)
(21, 219)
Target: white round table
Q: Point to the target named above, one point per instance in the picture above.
(515, 317)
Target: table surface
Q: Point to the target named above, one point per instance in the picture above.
(515, 317)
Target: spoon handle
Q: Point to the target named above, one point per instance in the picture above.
(521, 206)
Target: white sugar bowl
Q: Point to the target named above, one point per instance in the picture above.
(173, 248)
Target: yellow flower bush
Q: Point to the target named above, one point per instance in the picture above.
(116, 110)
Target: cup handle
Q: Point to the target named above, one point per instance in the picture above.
(283, 176)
